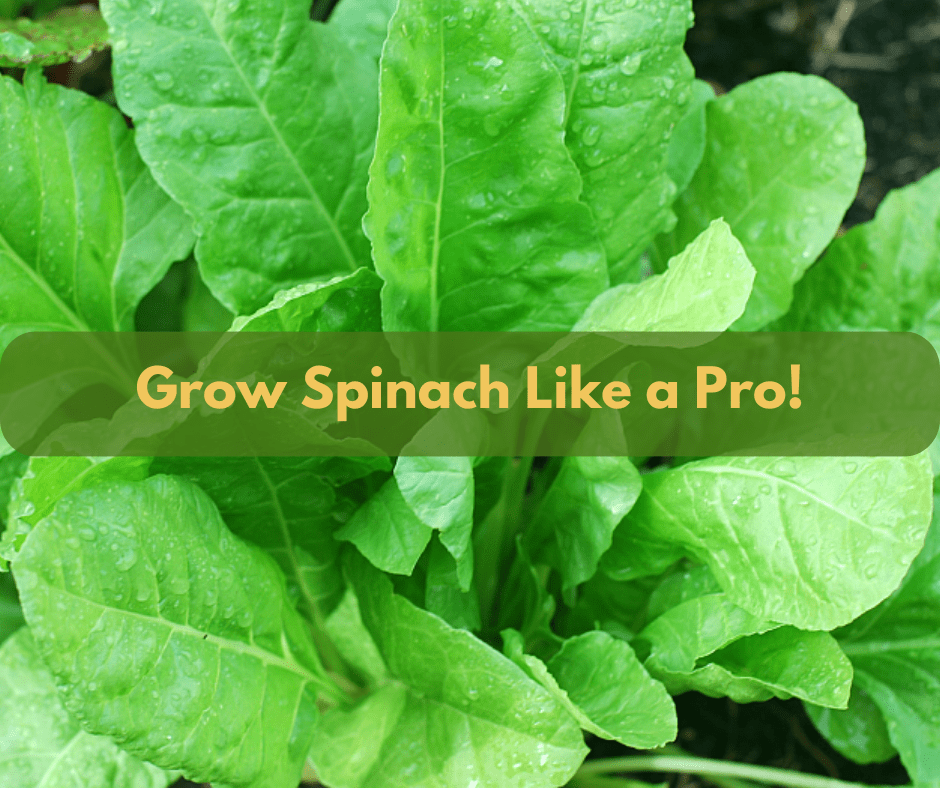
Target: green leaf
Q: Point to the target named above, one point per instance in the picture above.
(627, 83)
(604, 678)
(47, 479)
(835, 534)
(363, 24)
(138, 591)
(345, 303)
(445, 596)
(711, 645)
(879, 276)
(440, 491)
(706, 288)
(70, 34)
(454, 713)
(90, 232)
(44, 747)
(687, 141)
(352, 639)
(387, 531)
(858, 732)
(782, 164)
(575, 523)
(201, 311)
(235, 125)
(895, 650)
(473, 199)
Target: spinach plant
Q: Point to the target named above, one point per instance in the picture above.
(436, 165)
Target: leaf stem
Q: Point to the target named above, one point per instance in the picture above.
(686, 764)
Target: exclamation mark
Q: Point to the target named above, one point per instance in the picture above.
(795, 402)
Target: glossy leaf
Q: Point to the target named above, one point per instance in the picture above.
(711, 645)
(234, 111)
(11, 614)
(687, 142)
(706, 288)
(835, 534)
(90, 232)
(474, 215)
(70, 34)
(138, 591)
(782, 164)
(627, 82)
(455, 712)
(43, 745)
(575, 523)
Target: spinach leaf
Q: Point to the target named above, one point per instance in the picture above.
(233, 112)
(70, 34)
(138, 591)
(474, 215)
(782, 164)
(627, 82)
(90, 232)
(827, 531)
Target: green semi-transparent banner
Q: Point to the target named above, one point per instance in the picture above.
(469, 394)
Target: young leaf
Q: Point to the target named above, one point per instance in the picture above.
(575, 523)
(627, 81)
(625, 704)
(711, 645)
(90, 232)
(454, 713)
(387, 531)
(136, 591)
(473, 199)
(439, 490)
(234, 111)
(603, 677)
(444, 595)
(706, 288)
(70, 34)
(345, 303)
(43, 745)
(835, 534)
(895, 650)
(782, 164)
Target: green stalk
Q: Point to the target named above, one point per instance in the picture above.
(680, 764)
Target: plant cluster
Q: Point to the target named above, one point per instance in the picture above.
(445, 165)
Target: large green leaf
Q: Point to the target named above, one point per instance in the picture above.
(473, 199)
(11, 614)
(43, 746)
(706, 288)
(136, 593)
(70, 34)
(627, 81)
(236, 111)
(687, 141)
(879, 276)
(575, 522)
(782, 164)
(895, 650)
(454, 712)
(711, 645)
(836, 535)
(90, 232)
(858, 732)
